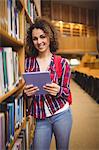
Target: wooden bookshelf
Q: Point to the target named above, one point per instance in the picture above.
(38, 7)
(15, 39)
(7, 40)
(74, 29)
(69, 12)
(17, 132)
(14, 90)
(80, 37)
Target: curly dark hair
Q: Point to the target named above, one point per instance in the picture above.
(48, 28)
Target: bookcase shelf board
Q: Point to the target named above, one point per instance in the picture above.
(7, 40)
(14, 90)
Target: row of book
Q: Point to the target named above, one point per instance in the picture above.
(11, 118)
(11, 16)
(31, 9)
(9, 69)
(20, 143)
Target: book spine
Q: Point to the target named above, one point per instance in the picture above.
(11, 122)
(9, 61)
(9, 16)
(1, 74)
(5, 71)
(2, 131)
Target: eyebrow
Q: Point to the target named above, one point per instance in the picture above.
(39, 36)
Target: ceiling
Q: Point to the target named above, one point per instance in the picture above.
(81, 3)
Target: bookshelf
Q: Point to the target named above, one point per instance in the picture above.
(15, 17)
(80, 38)
(74, 29)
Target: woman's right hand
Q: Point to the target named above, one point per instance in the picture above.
(30, 90)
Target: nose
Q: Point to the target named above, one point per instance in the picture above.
(39, 40)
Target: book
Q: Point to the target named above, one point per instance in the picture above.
(1, 74)
(5, 71)
(38, 79)
(15, 67)
(10, 108)
(3, 109)
(9, 16)
(9, 64)
(2, 131)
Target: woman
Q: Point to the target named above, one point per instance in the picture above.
(52, 111)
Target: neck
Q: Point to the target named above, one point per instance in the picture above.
(44, 61)
(44, 55)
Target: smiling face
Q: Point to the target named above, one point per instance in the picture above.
(41, 40)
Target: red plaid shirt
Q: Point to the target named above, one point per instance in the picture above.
(53, 103)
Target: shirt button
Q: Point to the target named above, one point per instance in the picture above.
(49, 108)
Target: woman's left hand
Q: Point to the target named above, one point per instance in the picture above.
(52, 88)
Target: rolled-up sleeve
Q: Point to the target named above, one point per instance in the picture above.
(65, 81)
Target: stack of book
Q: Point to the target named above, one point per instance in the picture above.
(9, 68)
(11, 118)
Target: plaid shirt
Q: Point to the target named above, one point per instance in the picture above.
(53, 103)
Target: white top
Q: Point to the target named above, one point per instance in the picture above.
(48, 114)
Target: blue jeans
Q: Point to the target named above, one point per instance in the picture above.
(59, 125)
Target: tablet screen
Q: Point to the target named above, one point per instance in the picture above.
(38, 79)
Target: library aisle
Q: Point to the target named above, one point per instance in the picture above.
(85, 130)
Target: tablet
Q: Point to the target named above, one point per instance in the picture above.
(38, 79)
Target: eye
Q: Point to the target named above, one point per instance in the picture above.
(34, 38)
(42, 36)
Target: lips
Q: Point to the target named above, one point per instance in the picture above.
(41, 46)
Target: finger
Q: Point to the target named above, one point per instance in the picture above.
(30, 93)
(50, 85)
(28, 86)
(50, 90)
(31, 90)
(53, 93)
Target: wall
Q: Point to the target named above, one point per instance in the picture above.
(74, 12)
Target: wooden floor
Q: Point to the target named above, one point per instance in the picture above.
(85, 130)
